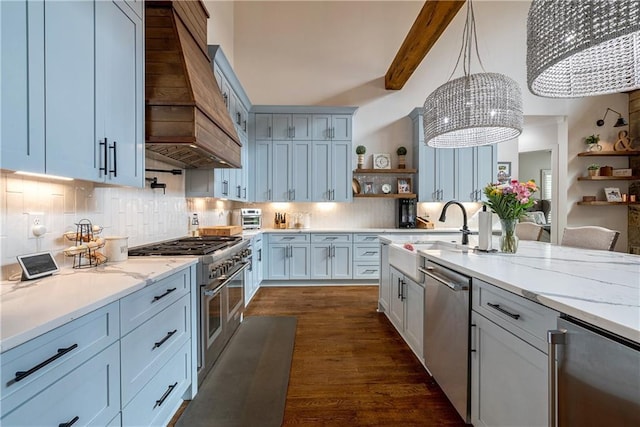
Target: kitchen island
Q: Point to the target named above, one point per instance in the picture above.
(497, 313)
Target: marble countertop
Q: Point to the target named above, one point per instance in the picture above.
(31, 308)
(417, 231)
(598, 287)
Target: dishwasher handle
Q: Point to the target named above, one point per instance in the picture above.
(455, 286)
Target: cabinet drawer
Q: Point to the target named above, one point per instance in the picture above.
(145, 303)
(91, 392)
(289, 238)
(366, 271)
(82, 338)
(331, 238)
(368, 253)
(148, 407)
(365, 238)
(524, 318)
(148, 347)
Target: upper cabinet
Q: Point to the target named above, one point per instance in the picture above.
(447, 173)
(76, 99)
(302, 154)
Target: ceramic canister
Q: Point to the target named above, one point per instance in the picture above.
(116, 248)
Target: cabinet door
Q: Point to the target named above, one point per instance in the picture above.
(301, 177)
(120, 91)
(299, 262)
(428, 190)
(278, 262)
(264, 126)
(518, 398)
(466, 166)
(396, 304)
(320, 261)
(301, 127)
(199, 183)
(341, 261)
(321, 170)
(281, 172)
(263, 171)
(486, 167)
(282, 127)
(321, 127)
(243, 174)
(414, 316)
(341, 127)
(341, 172)
(384, 293)
(446, 173)
(222, 183)
(69, 82)
(22, 80)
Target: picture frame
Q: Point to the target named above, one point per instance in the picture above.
(503, 172)
(368, 188)
(613, 194)
(404, 185)
(382, 161)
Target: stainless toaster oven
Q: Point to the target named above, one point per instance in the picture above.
(248, 218)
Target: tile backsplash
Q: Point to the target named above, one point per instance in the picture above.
(144, 215)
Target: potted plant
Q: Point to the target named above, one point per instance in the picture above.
(360, 150)
(401, 152)
(594, 169)
(593, 141)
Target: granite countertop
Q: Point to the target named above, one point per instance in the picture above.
(601, 288)
(31, 308)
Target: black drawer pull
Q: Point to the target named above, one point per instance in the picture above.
(163, 295)
(20, 375)
(163, 340)
(70, 423)
(166, 394)
(502, 310)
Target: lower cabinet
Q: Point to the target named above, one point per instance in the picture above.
(289, 257)
(509, 363)
(331, 256)
(384, 289)
(127, 363)
(406, 309)
(254, 274)
(366, 256)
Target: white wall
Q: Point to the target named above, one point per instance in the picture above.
(337, 53)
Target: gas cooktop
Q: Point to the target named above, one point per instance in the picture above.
(186, 246)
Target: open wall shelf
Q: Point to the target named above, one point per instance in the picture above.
(605, 203)
(609, 153)
(389, 171)
(608, 178)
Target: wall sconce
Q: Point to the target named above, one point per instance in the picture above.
(620, 122)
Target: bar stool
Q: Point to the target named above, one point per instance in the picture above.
(528, 231)
(590, 237)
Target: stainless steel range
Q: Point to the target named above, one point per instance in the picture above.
(220, 276)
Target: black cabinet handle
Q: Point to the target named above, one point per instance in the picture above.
(163, 340)
(114, 171)
(156, 298)
(398, 288)
(402, 295)
(238, 117)
(502, 310)
(20, 375)
(166, 394)
(244, 192)
(70, 423)
(260, 254)
(104, 150)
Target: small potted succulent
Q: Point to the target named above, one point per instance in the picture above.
(594, 169)
(401, 152)
(593, 141)
(360, 150)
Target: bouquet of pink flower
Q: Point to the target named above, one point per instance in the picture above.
(510, 201)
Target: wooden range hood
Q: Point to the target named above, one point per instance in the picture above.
(186, 117)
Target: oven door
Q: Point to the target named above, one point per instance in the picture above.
(212, 316)
(235, 299)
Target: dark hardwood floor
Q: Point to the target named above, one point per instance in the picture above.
(350, 367)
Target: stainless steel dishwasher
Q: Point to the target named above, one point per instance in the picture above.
(446, 332)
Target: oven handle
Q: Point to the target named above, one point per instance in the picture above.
(211, 292)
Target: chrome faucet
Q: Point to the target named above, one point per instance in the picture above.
(465, 229)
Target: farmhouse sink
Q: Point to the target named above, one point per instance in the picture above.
(408, 261)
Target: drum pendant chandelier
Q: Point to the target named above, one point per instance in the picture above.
(583, 47)
(476, 109)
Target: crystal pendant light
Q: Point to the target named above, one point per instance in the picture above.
(583, 47)
(476, 109)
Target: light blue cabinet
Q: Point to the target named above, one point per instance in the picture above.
(447, 173)
(83, 85)
(406, 310)
(331, 256)
(296, 158)
(289, 257)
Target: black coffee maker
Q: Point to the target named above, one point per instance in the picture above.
(406, 213)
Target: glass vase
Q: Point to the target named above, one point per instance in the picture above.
(508, 238)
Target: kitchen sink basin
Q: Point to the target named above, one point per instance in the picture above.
(408, 261)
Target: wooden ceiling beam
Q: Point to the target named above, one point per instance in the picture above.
(431, 22)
